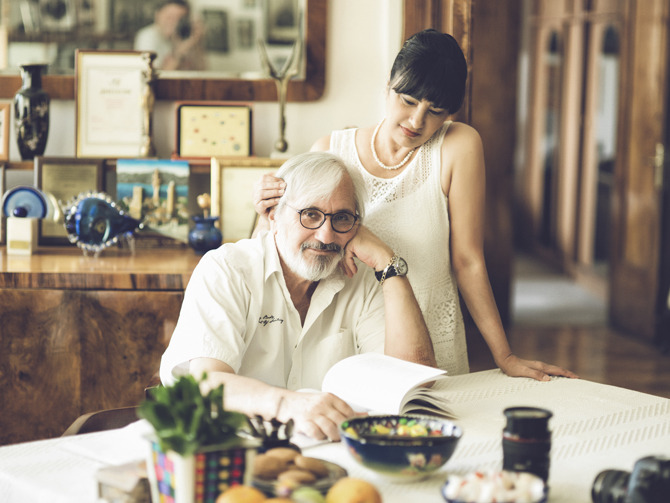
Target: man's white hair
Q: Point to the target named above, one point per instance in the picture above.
(313, 176)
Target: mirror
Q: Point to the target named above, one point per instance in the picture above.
(234, 85)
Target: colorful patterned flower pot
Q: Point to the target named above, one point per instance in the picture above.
(201, 477)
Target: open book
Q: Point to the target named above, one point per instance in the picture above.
(380, 384)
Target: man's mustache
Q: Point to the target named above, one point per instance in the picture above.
(318, 245)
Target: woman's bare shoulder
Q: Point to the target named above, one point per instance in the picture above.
(322, 144)
(460, 132)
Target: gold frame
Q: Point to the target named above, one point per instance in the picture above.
(65, 178)
(2, 193)
(102, 77)
(232, 181)
(189, 116)
(4, 131)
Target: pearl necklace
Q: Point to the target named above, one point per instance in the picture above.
(374, 152)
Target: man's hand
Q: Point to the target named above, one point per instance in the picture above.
(514, 366)
(369, 249)
(317, 415)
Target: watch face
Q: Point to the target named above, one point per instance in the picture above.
(401, 266)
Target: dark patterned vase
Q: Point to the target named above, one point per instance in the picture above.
(31, 111)
(204, 236)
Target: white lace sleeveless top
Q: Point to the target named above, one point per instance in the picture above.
(409, 211)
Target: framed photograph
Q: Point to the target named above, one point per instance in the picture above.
(217, 30)
(86, 13)
(128, 16)
(155, 191)
(109, 94)
(283, 21)
(4, 131)
(213, 129)
(246, 33)
(57, 15)
(232, 182)
(64, 178)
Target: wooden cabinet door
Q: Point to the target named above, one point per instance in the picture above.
(67, 352)
(636, 289)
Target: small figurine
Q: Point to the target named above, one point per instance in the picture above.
(205, 203)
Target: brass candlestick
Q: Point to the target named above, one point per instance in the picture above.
(149, 76)
(281, 78)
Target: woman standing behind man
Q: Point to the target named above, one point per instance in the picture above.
(425, 181)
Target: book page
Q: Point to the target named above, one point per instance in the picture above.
(377, 383)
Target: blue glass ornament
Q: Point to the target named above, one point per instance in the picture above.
(94, 222)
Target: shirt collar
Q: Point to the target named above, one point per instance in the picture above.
(272, 263)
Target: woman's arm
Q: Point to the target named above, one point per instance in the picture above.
(463, 181)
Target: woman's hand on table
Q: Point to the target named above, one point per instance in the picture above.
(514, 366)
(315, 414)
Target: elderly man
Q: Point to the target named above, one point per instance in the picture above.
(269, 316)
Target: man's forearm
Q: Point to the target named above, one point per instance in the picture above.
(243, 394)
(407, 336)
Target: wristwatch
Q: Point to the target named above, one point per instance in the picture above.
(396, 267)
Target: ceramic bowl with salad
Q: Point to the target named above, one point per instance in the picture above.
(402, 447)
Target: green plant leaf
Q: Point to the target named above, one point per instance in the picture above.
(185, 420)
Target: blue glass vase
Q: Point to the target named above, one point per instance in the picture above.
(31, 112)
(204, 236)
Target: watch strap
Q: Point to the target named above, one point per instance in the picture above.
(389, 271)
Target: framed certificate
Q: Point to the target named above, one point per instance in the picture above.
(4, 131)
(213, 129)
(232, 182)
(64, 178)
(109, 103)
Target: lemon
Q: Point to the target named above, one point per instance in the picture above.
(353, 490)
(241, 494)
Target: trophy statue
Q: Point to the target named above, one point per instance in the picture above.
(281, 77)
(148, 99)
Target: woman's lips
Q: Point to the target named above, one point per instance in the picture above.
(409, 132)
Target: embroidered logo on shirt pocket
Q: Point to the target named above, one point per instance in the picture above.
(266, 319)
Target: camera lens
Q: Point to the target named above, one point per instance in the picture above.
(184, 28)
(527, 441)
(650, 480)
(610, 486)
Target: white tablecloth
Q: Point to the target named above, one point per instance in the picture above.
(594, 427)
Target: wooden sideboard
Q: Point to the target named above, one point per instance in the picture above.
(79, 334)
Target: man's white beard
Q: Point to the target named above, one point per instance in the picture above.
(321, 266)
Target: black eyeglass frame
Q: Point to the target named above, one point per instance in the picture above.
(325, 215)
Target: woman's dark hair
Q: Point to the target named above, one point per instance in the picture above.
(431, 66)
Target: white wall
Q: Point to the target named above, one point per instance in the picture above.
(362, 40)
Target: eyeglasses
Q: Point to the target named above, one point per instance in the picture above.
(341, 221)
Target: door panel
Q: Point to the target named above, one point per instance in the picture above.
(636, 260)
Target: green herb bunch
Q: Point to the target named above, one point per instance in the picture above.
(185, 420)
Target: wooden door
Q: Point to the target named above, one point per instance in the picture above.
(490, 107)
(604, 29)
(638, 278)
